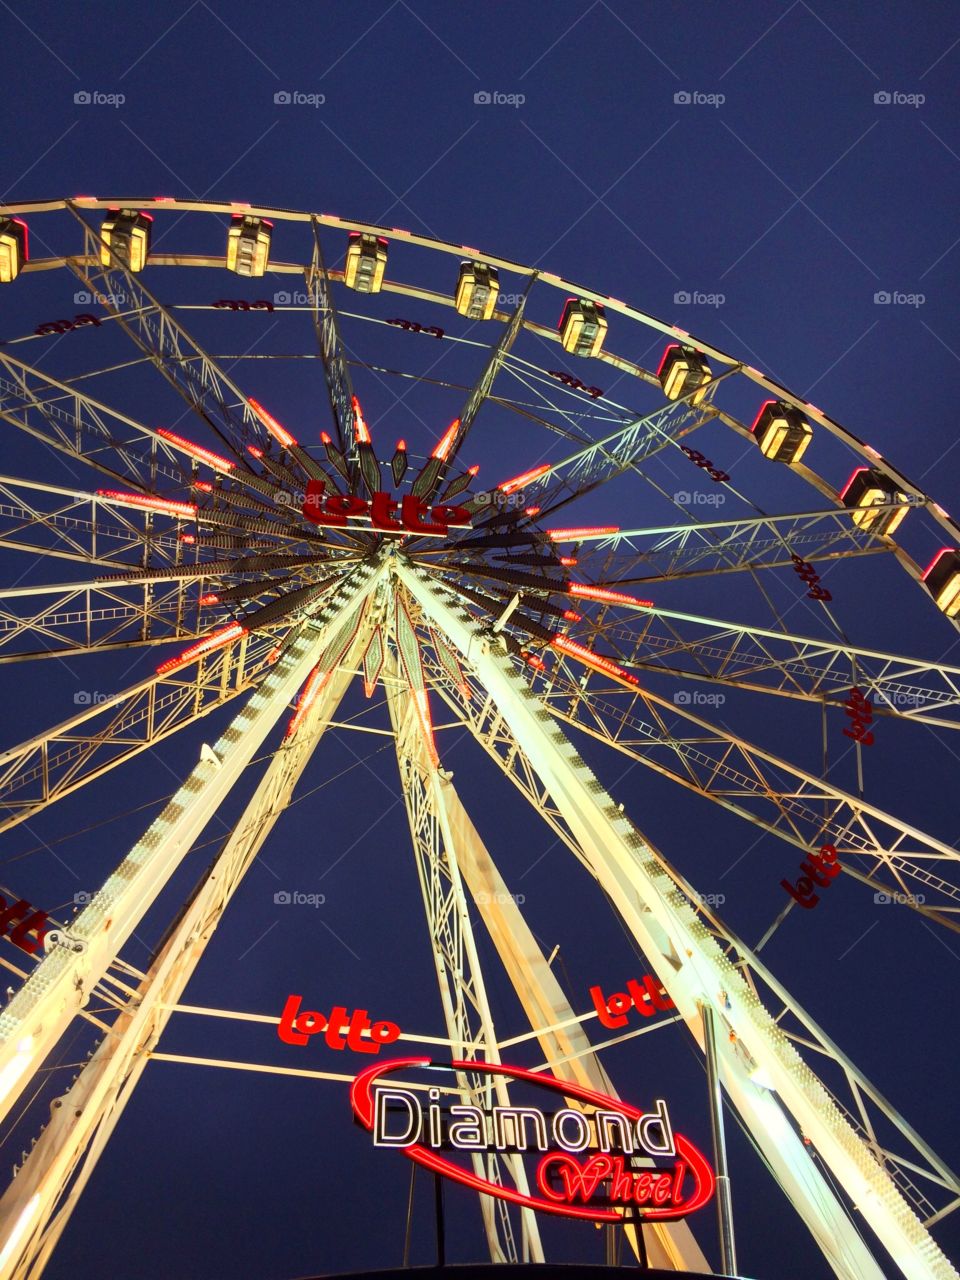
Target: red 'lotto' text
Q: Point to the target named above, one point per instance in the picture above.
(340, 1032)
(647, 997)
(409, 515)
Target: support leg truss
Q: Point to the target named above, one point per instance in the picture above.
(566, 1048)
(37, 1205)
(462, 992)
(61, 984)
(695, 971)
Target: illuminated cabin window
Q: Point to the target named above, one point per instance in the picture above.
(248, 245)
(942, 580)
(13, 248)
(366, 262)
(583, 327)
(781, 431)
(868, 489)
(126, 239)
(683, 369)
(477, 290)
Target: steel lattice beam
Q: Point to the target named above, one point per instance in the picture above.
(862, 1104)
(205, 387)
(463, 994)
(748, 657)
(37, 1015)
(565, 1045)
(694, 971)
(716, 546)
(47, 1187)
(768, 790)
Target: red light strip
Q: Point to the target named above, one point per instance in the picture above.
(197, 451)
(591, 659)
(853, 475)
(573, 535)
(209, 599)
(674, 346)
(944, 551)
(361, 432)
(602, 593)
(216, 640)
(140, 502)
(280, 434)
(308, 695)
(445, 443)
(510, 486)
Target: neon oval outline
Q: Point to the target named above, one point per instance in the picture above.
(361, 1100)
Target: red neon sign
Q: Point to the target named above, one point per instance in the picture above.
(336, 510)
(567, 1184)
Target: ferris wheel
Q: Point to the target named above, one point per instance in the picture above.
(662, 535)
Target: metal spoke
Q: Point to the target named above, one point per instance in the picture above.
(741, 656)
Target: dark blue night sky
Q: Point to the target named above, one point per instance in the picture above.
(762, 174)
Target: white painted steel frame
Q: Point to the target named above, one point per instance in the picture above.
(693, 969)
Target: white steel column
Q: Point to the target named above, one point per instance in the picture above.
(670, 1245)
(693, 968)
(38, 1199)
(62, 983)
(462, 991)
